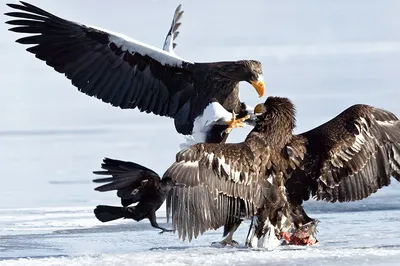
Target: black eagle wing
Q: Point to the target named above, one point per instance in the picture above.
(219, 178)
(112, 67)
(350, 157)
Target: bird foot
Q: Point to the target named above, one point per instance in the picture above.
(235, 123)
(165, 230)
(223, 243)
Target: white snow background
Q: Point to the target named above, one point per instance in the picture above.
(324, 55)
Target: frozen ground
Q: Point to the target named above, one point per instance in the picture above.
(352, 234)
(325, 56)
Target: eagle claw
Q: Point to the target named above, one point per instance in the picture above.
(225, 242)
(235, 123)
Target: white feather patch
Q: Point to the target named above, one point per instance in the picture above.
(269, 240)
(233, 174)
(168, 45)
(213, 114)
(252, 240)
(386, 123)
(270, 179)
(133, 46)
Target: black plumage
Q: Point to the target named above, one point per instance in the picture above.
(129, 74)
(134, 184)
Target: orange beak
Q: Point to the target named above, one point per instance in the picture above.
(259, 86)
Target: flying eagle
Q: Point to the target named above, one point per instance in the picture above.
(272, 172)
(130, 74)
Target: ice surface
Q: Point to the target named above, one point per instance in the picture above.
(324, 55)
(56, 236)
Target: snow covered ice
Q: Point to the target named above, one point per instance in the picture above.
(324, 56)
(357, 234)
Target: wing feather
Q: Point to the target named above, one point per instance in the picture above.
(129, 179)
(349, 157)
(169, 43)
(218, 178)
(106, 65)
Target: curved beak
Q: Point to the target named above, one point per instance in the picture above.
(259, 109)
(259, 86)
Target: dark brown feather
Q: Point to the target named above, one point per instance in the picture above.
(100, 66)
(349, 157)
(231, 181)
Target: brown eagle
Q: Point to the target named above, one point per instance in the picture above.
(272, 172)
(130, 74)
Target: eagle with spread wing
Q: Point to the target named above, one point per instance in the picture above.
(129, 74)
(271, 173)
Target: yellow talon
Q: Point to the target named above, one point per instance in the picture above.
(235, 123)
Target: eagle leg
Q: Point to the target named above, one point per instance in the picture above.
(235, 123)
(251, 239)
(228, 240)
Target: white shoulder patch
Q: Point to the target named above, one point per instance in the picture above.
(213, 114)
(133, 46)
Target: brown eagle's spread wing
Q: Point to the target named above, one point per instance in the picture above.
(219, 179)
(350, 157)
(112, 67)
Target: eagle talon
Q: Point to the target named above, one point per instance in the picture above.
(235, 123)
(224, 243)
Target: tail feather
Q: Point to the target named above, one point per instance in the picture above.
(109, 213)
(106, 213)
